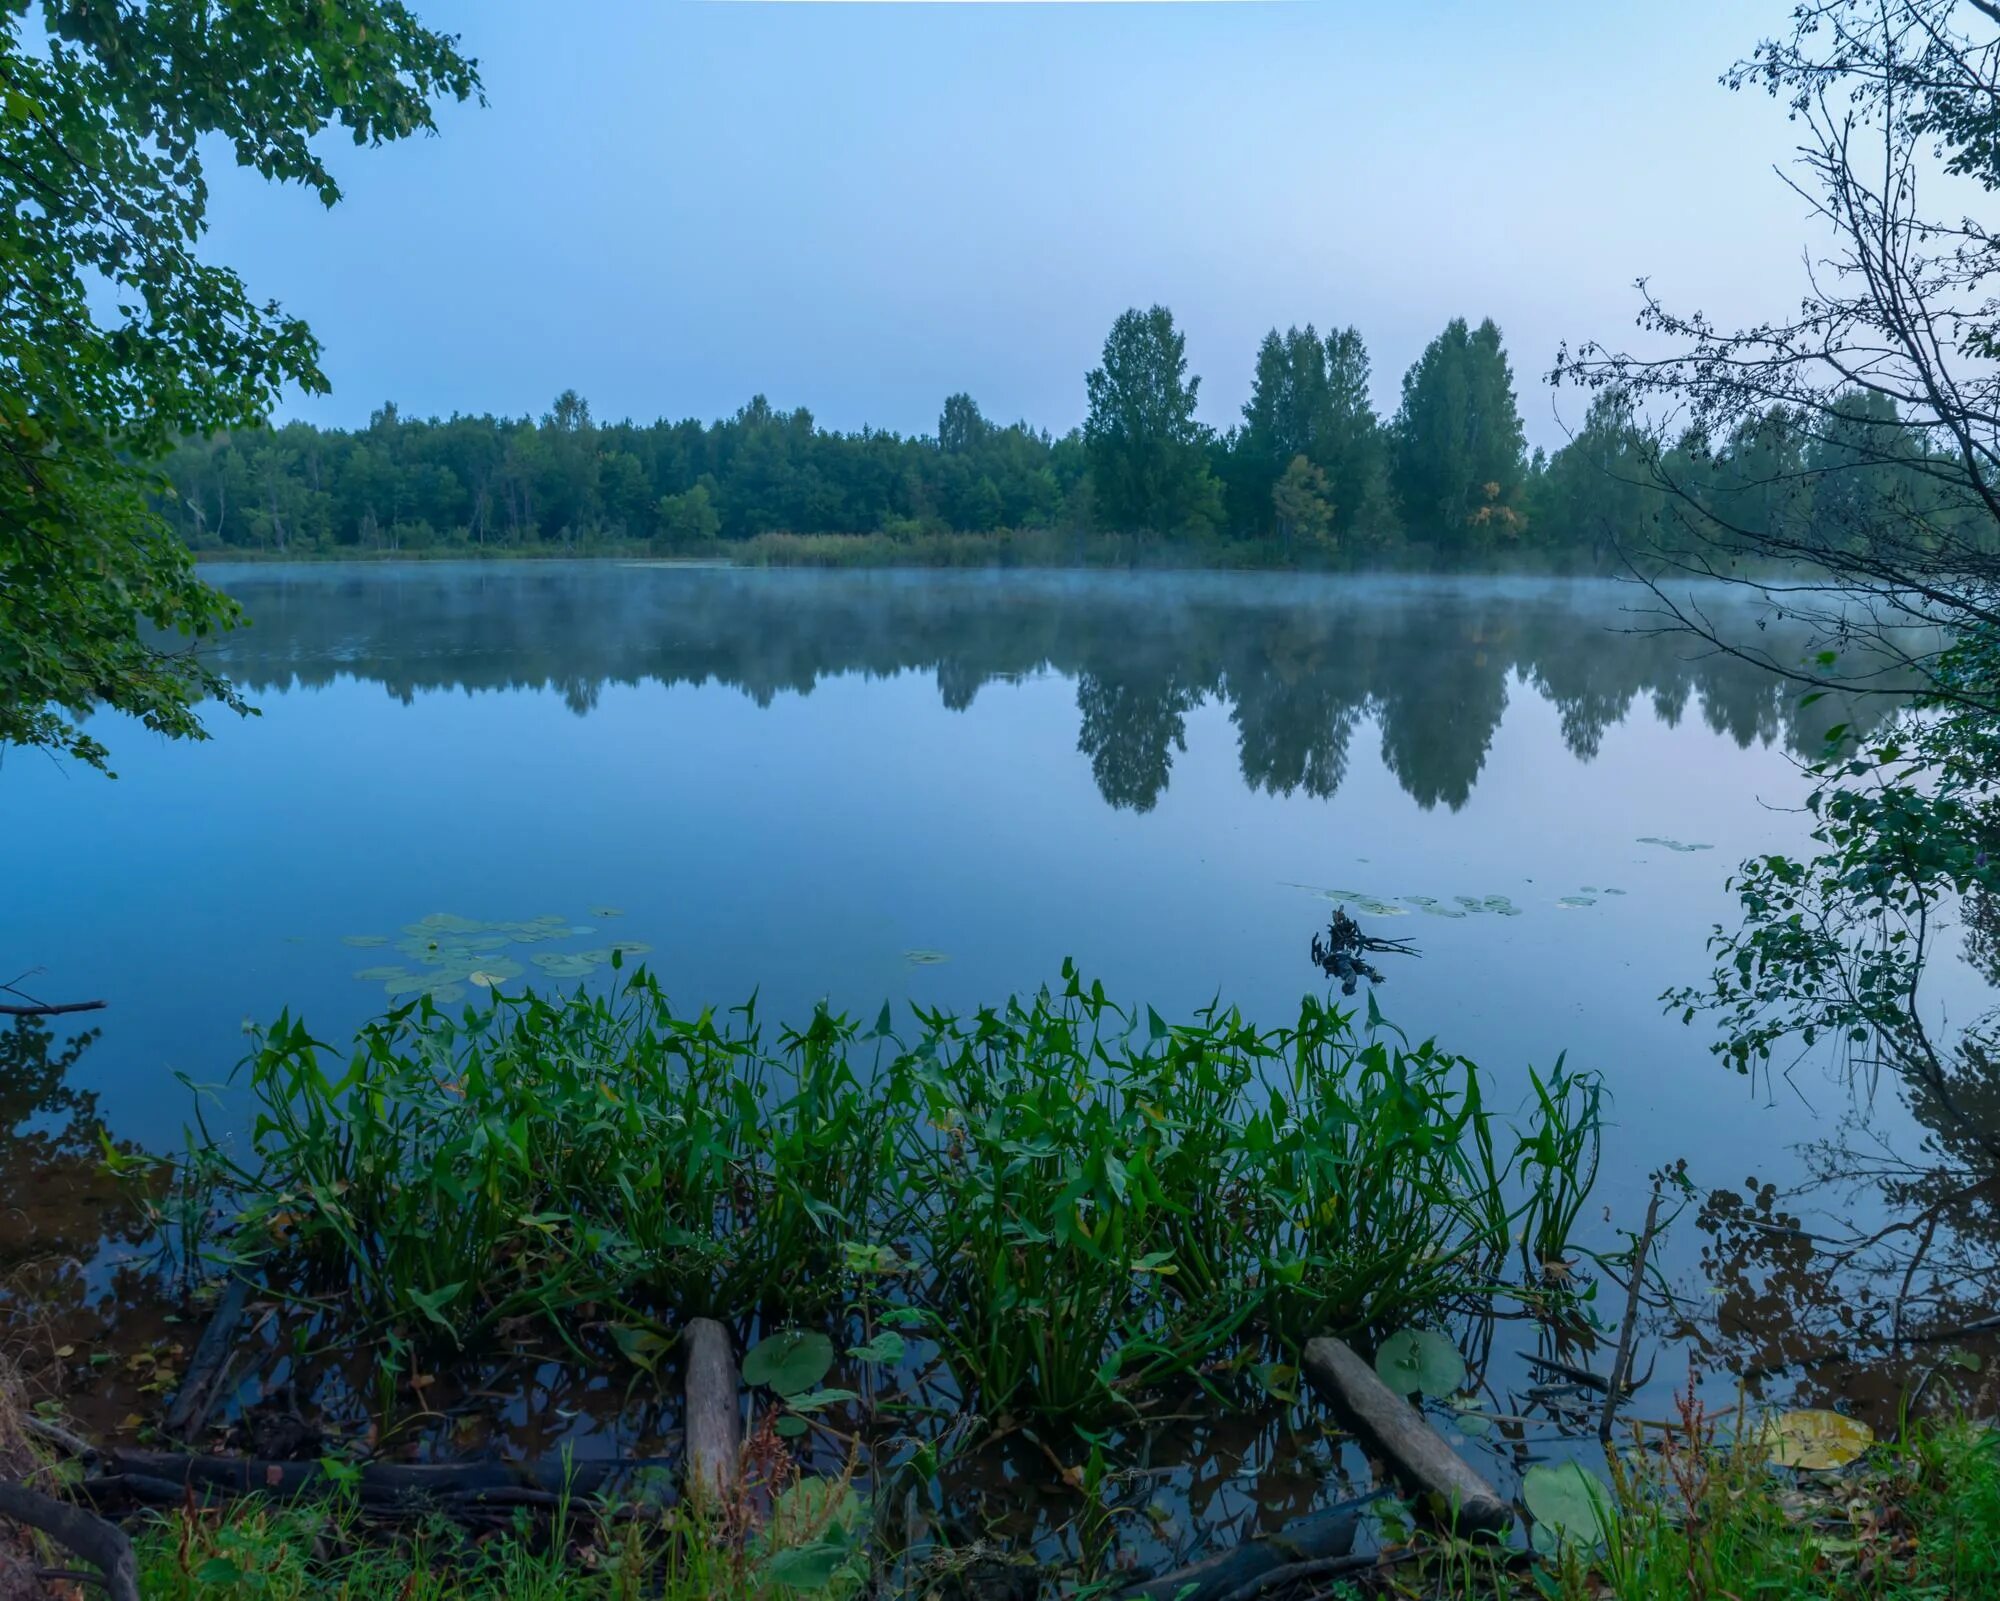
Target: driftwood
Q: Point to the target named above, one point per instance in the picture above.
(48, 1008)
(1322, 1537)
(101, 1544)
(199, 1387)
(714, 1422)
(1416, 1453)
(1340, 954)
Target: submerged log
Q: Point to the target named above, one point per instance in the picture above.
(202, 1385)
(1317, 1538)
(1420, 1457)
(714, 1421)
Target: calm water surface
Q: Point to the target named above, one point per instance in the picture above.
(817, 785)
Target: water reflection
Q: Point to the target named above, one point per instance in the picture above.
(1303, 665)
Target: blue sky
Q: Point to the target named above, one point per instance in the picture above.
(672, 205)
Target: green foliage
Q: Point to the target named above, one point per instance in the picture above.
(1148, 461)
(116, 338)
(1075, 1202)
(1460, 457)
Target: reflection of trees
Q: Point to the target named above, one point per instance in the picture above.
(1299, 663)
(58, 1205)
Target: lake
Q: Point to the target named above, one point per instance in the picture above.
(934, 787)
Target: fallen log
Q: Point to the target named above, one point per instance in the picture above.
(1320, 1537)
(378, 1483)
(714, 1423)
(101, 1544)
(201, 1386)
(1421, 1458)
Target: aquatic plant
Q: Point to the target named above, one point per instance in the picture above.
(1086, 1201)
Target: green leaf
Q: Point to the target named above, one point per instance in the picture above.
(807, 1567)
(790, 1362)
(1420, 1360)
(1564, 1499)
(886, 1347)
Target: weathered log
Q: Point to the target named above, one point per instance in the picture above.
(1421, 1458)
(1315, 1538)
(101, 1544)
(714, 1421)
(379, 1483)
(199, 1387)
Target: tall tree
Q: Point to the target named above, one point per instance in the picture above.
(1148, 455)
(102, 120)
(1460, 454)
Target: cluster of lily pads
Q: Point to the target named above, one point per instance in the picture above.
(447, 953)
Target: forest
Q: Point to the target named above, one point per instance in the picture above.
(1311, 476)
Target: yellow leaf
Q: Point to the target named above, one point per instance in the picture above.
(1811, 1438)
(65, 1350)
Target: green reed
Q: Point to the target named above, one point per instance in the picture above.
(1088, 1203)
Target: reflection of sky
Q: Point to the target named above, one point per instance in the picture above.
(803, 847)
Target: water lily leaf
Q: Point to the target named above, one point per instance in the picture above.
(630, 947)
(925, 958)
(380, 975)
(364, 940)
(1432, 906)
(1672, 844)
(576, 931)
(789, 1363)
(607, 911)
(564, 964)
(1572, 902)
(495, 970)
(1422, 1360)
(446, 994)
(1564, 1499)
(1815, 1439)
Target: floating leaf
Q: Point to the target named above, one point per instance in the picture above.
(447, 994)
(925, 958)
(381, 975)
(886, 1347)
(607, 911)
(789, 1363)
(1564, 1499)
(1672, 844)
(1572, 902)
(789, 1426)
(564, 964)
(364, 940)
(1815, 1439)
(1432, 906)
(1420, 1359)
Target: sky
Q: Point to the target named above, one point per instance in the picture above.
(672, 205)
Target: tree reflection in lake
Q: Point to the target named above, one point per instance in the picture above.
(1301, 663)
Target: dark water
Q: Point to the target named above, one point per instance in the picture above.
(862, 786)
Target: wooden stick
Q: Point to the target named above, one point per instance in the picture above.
(1621, 1364)
(200, 1387)
(714, 1421)
(49, 1009)
(1415, 1452)
(102, 1544)
(1323, 1536)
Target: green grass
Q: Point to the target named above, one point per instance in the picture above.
(1083, 1200)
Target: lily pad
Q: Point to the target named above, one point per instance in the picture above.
(446, 994)
(925, 958)
(1420, 1360)
(1434, 907)
(364, 941)
(789, 1363)
(380, 975)
(1672, 844)
(564, 964)
(607, 911)
(1815, 1439)
(1572, 902)
(1565, 1500)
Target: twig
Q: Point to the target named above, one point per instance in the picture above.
(50, 1008)
(1621, 1364)
(1315, 1568)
